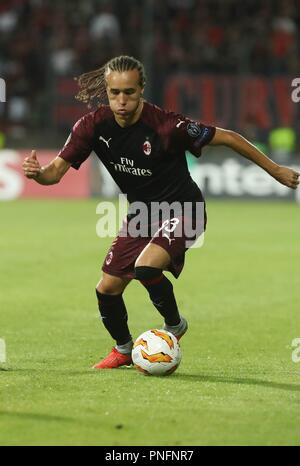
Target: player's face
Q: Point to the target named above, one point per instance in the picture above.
(124, 94)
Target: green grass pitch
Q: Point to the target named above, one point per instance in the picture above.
(237, 383)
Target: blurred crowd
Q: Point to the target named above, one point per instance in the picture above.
(42, 40)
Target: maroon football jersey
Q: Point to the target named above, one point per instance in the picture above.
(147, 159)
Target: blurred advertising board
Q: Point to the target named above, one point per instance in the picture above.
(220, 174)
(13, 184)
(234, 177)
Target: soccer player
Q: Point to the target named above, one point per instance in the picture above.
(143, 147)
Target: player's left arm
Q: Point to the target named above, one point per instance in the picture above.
(239, 144)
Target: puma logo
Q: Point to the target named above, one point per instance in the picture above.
(170, 239)
(101, 138)
(180, 122)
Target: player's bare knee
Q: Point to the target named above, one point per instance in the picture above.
(112, 285)
(143, 262)
(105, 287)
(153, 256)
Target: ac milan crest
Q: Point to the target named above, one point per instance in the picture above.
(147, 147)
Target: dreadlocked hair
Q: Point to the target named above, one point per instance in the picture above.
(92, 85)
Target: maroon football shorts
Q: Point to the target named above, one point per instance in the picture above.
(174, 234)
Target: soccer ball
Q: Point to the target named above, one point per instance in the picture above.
(156, 352)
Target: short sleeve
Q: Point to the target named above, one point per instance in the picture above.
(191, 135)
(78, 146)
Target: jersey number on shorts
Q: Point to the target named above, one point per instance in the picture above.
(173, 221)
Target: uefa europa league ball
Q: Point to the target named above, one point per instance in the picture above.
(156, 352)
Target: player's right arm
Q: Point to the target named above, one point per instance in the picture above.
(48, 174)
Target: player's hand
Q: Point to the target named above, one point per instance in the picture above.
(31, 166)
(287, 176)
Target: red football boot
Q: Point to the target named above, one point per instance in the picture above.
(114, 360)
